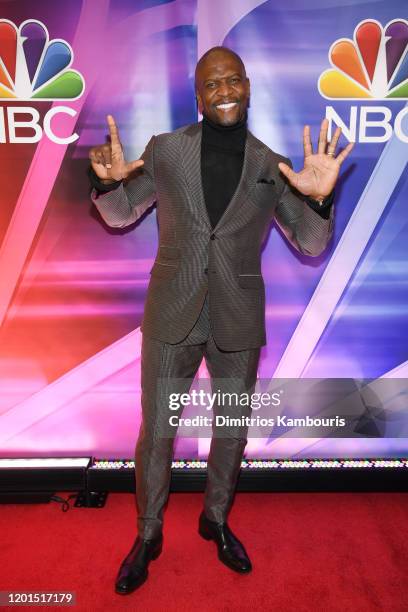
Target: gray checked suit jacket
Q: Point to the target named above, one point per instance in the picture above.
(192, 257)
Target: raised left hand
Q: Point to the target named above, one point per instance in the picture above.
(320, 170)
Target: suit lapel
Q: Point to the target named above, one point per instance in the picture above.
(253, 160)
(192, 167)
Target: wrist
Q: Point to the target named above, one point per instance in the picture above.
(108, 181)
(102, 185)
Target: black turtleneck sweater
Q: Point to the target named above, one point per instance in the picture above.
(222, 158)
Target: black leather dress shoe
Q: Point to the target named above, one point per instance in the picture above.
(230, 550)
(133, 571)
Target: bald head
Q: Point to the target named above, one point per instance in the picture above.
(217, 53)
(222, 87)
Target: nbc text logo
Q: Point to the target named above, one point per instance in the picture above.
(371, 67)
(34, 68)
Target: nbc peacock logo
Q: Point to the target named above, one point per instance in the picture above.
(32, 67)
(372, 66)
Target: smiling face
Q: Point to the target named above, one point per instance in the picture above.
(222, 87)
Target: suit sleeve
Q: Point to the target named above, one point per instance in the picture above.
(126, 203)
(303, 227)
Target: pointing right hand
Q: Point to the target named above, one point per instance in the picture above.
(108, 161)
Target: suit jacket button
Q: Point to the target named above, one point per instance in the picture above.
(212, 237)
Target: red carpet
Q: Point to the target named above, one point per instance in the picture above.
(310, 552)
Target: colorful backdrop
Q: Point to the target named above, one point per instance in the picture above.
(72, 290)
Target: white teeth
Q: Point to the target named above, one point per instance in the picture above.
(226, 106)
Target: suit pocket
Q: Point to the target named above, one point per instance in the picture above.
(264, 195)
(250, 281)
(167, 262)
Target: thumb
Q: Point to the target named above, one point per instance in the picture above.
(131, 166)
(288, 172)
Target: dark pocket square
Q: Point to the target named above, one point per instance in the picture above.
(264, 181)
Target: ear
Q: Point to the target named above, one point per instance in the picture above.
(248, 91)
(199, 102)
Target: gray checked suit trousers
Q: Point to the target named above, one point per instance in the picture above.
(154, 453)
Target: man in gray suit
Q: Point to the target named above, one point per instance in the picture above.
(217, 189)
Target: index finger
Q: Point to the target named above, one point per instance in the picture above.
(113, 131)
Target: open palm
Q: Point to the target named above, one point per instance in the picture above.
(320, 170)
